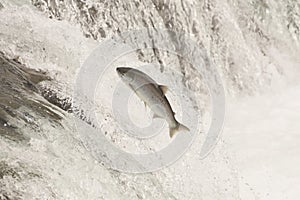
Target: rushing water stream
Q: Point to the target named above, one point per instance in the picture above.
(44, 48)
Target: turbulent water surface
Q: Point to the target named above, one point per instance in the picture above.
(254, 45)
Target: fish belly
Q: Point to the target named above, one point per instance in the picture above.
(157, 103)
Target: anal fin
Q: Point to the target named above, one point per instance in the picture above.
(163, 88)
(178, 128)
(156, 116)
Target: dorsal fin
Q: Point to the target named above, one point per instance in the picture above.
(163, 88)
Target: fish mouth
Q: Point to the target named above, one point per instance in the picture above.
(122, 70)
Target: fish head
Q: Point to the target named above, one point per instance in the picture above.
(126, 74)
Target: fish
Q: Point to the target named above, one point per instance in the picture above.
(153, 95)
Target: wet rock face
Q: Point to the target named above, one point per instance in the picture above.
(18, 104)
(23, 113)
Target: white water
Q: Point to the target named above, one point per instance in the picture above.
(257, 157)
(263, 135)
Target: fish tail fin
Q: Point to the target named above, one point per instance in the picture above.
(177, 128)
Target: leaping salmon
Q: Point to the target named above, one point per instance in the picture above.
(152, 95)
